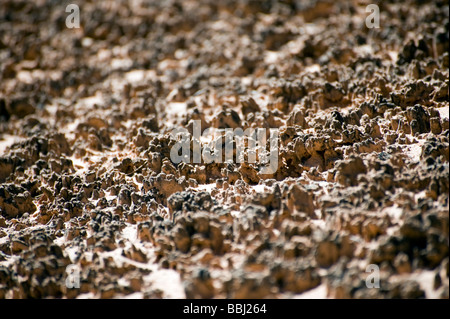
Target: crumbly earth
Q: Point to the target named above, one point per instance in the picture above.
(86, 176)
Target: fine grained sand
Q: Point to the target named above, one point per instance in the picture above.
(86, 177)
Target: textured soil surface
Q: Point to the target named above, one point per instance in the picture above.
(86, 177)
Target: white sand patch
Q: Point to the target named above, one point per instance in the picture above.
(320, 223)
(258, 188)
(71, 253)
(312, 68)
(8, 140)
(130, 233)
(108, 195)
(272, 57)
(89, 295)
(136, 295)
(235, 213)
(246, 81)
(261, 99)
(121, 63)
(414, 150)
(365, 49)
(91, 100)
(135, 76)
(320, 292)
(393, 55)
(426, 280)
(79, 165)
(395, 212)
(176, 108)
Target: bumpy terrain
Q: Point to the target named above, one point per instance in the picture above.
(87, 181)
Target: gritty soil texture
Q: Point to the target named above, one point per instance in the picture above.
(86, 176)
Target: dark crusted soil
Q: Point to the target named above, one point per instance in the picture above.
(86, 177)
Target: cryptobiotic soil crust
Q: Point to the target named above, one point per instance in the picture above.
(87, 181)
